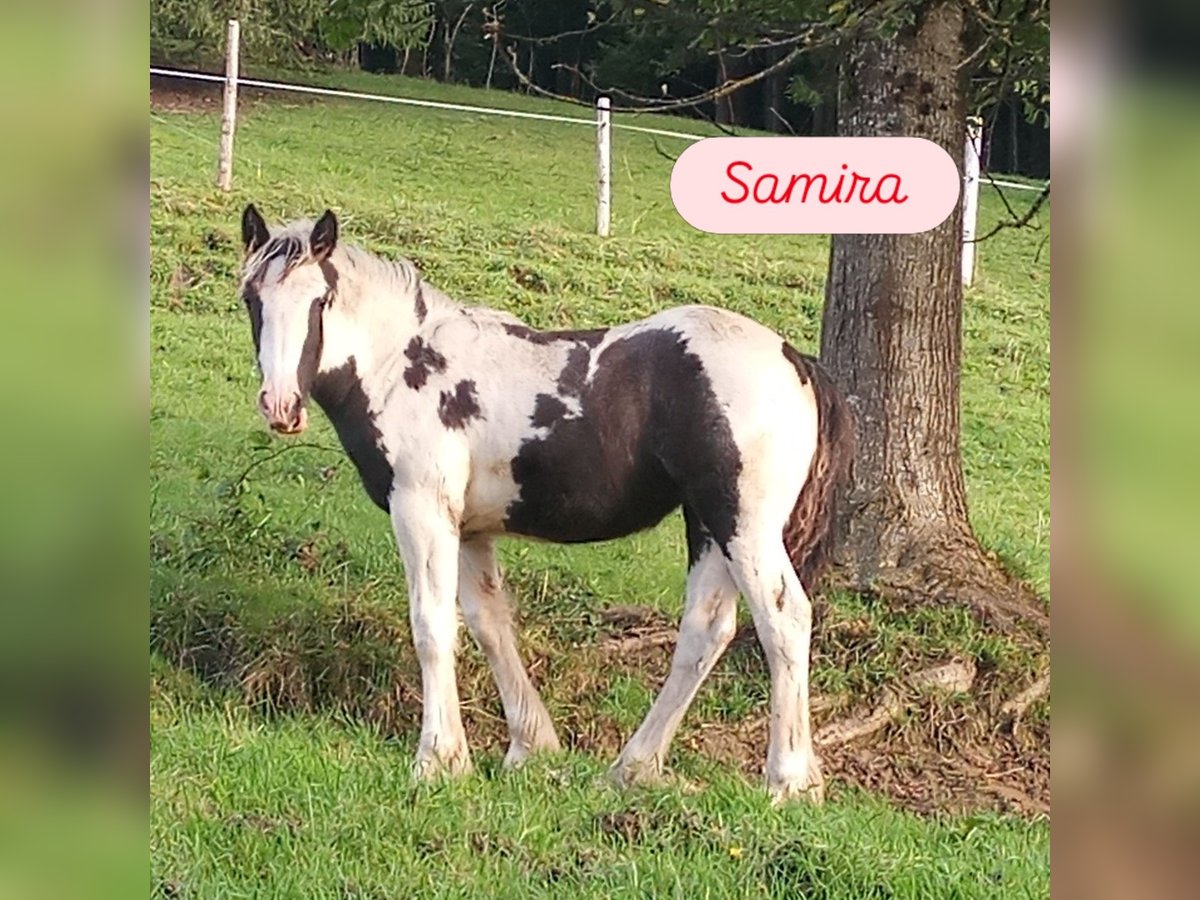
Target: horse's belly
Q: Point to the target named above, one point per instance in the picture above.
(589, 496)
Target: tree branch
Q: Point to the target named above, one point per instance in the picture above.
(1016, 221)
(654, 103)
(237, 483)
(543, 40)
(786, 123)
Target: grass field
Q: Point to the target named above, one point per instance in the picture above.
(284, 698)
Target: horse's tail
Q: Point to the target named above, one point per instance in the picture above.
(809, 533)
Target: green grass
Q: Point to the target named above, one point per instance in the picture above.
(316, 807)
(276, 581)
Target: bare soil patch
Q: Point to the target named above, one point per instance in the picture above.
(175, 95)
(178, 95)
(943, 741)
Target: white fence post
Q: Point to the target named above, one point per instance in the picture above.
(229, 117)
(970, 198)
(603, 165)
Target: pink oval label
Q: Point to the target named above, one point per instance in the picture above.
(815, 185)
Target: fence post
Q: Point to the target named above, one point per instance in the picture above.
(603, 165)
(970, 198)
(229, 116)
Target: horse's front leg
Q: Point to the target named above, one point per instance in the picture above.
(428, 542)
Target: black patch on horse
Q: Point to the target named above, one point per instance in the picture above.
(331, 277)
(698, 538)
(457, 409)
(254, 308)
(419, 304)
(424, 359)
(574, 374)
(797, 359)
(590, 336)
(547, 410)
(340, 394)
(651, 435)
(310, 353)
(314, 338)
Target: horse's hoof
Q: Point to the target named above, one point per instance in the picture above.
(519, 753)
(809, 787)
(430, 766)
(637, 773)
(813, 793)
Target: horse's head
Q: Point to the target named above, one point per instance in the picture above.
(287, 282)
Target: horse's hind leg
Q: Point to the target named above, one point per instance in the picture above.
(783, 620)
(709, 622)
(487, 610)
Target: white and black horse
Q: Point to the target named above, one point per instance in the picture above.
(465, 424)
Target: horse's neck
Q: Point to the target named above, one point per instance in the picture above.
(382, 316)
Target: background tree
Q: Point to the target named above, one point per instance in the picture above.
(192, 32)
(770, 64)
(892, 326)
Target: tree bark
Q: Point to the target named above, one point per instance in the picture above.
(773, 94)
(1014, 160)
(892, 337)
(724, 105)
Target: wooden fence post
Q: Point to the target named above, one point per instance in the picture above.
(229, 116)
(970, 197)
(603, 165)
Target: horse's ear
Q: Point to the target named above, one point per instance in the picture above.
(324, 236)
(254, 230)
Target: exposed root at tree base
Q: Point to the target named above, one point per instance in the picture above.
(954, 677)
(1012, 710)
(949, 567)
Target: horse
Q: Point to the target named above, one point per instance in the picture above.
(467, 425)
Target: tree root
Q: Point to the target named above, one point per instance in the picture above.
(634, 642)
(952, 677)
(950, 567)
(1012, 710)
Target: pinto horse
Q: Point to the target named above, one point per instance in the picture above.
(465, 425)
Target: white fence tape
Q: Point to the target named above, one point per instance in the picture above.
(411, 101)
(481, 110)
(1015, 185)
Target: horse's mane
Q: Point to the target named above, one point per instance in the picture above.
(361, 273)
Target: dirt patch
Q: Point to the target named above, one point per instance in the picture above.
(625, 826)
(945, 740)
(174, 95)
(178, 95)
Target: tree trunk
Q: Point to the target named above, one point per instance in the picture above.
(451, 35)
(892, 337)
(774, 94)
(492, 62)
(1014, 161)
(724, 105)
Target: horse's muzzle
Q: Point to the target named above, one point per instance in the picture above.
(284, 414)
